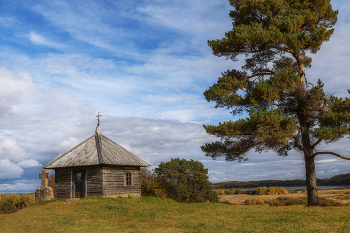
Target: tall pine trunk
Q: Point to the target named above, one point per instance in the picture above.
(311, 185)
(312, 196)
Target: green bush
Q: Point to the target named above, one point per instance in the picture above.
(186, 181)
(7, 207)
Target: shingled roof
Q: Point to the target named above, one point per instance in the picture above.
(97, 150)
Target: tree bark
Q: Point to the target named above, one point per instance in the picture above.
(312, 196)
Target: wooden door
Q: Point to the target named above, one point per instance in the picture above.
(79, 184)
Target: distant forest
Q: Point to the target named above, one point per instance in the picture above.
(341, 180)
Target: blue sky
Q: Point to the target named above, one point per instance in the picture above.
(144, 65)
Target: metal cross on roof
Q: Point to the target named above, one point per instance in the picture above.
(98, 118)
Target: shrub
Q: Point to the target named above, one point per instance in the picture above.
(18, 201)
(227, 202)
(288, 201)
(230, 192)
(280, 201)
(271, 190)
(261, 190)
(257, 201)
(186, 181)
(7, 207)
(239, 191)
(281, 190)
(342, 197)
(249, 191)
(219, 192)
(291, 191)
(328, 202)
(151, 184)
(26, 200)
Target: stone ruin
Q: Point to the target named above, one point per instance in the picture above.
(44, 193)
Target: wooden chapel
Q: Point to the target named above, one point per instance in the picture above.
(97, 167)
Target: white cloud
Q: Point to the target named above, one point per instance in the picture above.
(10, 149)
(42, 119)
(327, 173)
(326, 161)
(188, 16)
(216, 172)
(40, 40)
(98, 27)
(68, 144)
(18, 187)
(320, 172)
(8, 21)
(9, 169)
(15, 88)
(29, 163)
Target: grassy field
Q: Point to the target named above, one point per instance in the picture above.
(149, 214)
(330, 194)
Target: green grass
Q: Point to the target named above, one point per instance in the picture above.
(149, 214)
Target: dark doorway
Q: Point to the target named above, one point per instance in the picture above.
(79, 184)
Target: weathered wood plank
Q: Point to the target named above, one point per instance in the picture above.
(62, 183)
(114, 181)
(100, 181)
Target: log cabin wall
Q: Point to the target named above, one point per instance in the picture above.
(94, 181)
(114, 183)
(62, 183)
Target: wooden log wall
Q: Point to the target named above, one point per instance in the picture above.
(105, 181)
(114, 181)
(94, 182)
(62, 183)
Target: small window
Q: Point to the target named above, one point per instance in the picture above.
(128, 178)
(79, 176)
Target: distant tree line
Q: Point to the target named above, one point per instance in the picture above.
(342, 180)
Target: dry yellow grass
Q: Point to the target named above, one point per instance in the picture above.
(240, 198)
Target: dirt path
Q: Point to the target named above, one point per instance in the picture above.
(240, 198)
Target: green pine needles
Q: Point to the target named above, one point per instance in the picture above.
(286, 111)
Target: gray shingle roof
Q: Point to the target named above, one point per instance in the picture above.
(96, 150)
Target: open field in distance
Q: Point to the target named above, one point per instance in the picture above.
(240, 198)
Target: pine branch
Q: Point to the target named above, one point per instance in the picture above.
(316, 143)
(330, 153)
(260, 74)
(296, 144)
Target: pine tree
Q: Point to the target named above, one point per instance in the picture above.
(285, 110)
